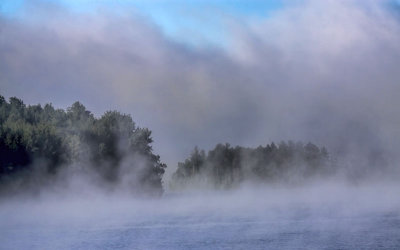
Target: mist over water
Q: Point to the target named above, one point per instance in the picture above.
(318, 71)
(322, 215)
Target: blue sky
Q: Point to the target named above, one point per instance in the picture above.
(196, 22)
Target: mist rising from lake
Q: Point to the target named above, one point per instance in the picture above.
(329, 215)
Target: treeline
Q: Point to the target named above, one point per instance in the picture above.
(41, 141)
(227, 167)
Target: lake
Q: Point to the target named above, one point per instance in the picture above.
(329, 217)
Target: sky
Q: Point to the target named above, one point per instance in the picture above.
(207, 72)
(195, 22)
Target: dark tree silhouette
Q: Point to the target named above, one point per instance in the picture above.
(58, 139)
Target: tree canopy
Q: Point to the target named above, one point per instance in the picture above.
(33, 137)
(227, 167)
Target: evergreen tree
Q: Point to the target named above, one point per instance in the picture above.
(60, 139)
(227, 167)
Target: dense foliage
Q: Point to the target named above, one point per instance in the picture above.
(226, 166)
(47, 140)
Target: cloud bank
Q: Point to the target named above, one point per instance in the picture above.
(316, 71)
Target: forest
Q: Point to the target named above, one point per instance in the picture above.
(228, 167)
(39, 142)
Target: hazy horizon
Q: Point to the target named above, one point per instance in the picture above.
(200, 73)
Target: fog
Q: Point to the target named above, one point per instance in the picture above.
(311, 71)
(277, 200)
(319, 71)
(329, 214)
